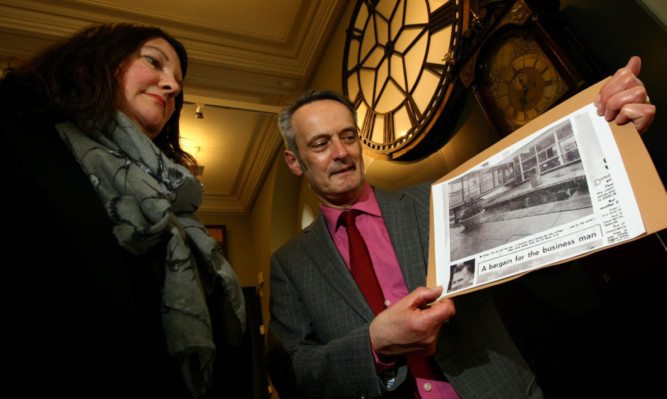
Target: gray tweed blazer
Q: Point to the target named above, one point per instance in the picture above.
(318, 335)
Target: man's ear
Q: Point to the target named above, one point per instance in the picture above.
(293, 162)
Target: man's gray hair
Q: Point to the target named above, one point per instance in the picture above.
(285, 118)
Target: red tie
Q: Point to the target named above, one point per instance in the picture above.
(362, 270)
(361, 265)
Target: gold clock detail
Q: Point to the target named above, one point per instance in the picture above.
(525, 62)
(524, 83)
(397, 69)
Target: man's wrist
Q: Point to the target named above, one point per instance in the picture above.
(382, 362)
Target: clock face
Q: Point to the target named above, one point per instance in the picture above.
(397, 69)
(523, 81)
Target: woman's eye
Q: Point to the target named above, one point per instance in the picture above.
(152, 61)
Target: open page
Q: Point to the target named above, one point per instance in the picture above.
(553, 195)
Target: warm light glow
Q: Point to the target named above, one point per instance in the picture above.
(199, 113)
(190, 147)
(307, 216)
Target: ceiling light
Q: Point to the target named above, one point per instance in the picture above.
(199, 113)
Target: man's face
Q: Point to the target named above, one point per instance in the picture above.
(329, 151)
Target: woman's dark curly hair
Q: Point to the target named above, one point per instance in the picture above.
(75, 80)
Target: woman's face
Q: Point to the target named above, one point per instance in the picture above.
(150, 79)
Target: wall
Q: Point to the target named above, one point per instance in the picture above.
(615, 30)
(253, 237)
(239, 247)
(282, 219)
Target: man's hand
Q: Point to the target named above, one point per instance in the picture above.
(623, 98)
(410, 327)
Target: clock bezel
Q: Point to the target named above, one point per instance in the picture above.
(428, 131)
(547, 48)
(570, 58)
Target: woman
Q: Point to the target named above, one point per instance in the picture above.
(128, 290)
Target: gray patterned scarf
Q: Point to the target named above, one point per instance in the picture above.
(151, 199)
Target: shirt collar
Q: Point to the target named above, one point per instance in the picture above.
(366, 203)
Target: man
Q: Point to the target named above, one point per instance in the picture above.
(325, 340)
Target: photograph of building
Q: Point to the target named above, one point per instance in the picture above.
(540, 186)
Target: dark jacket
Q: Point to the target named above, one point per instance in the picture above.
(83, 314)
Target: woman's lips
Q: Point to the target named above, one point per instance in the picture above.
(158, 98)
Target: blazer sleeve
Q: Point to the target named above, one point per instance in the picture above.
(317, 346)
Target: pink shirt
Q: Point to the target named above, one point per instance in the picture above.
(372, 228)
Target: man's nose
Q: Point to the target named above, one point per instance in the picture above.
(339, 149)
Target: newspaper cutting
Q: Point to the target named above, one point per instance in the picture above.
(558, 193)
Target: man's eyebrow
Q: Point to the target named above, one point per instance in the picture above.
(318, 137)
(349, 129)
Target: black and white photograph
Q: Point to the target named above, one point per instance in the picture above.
(462, 275)
(538, 187)
(556, 194)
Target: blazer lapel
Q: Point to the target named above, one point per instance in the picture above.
(401, 221)
(324, 255)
